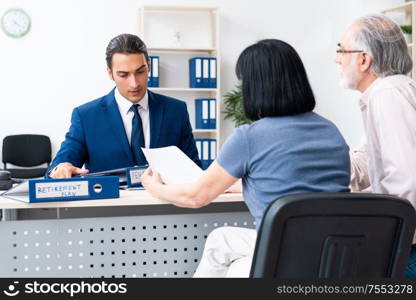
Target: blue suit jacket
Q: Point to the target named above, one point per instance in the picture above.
(97, 137)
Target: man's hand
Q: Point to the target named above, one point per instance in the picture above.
(66, 170)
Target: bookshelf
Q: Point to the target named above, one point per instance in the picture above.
(181, 89)
(403, 14)
(176, 34)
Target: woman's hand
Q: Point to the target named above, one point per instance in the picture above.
(151, 181)
(202, 191)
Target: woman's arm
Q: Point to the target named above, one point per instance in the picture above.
(214, 181)
(237, 187)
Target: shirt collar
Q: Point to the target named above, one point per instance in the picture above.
(367, 93)
(124, 104)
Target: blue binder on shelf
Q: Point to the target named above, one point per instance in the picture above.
(202, 113)
(198, 143)
(207, 151)
(205, 72)
(195, 72)
(212, 122)
(134, 175)
(212, 150)
(212, 72)
(153, 80)
(68, 189)
(205, 154)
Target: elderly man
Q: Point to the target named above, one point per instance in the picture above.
(374, 59)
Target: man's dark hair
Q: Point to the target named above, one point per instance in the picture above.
(125, 44)
(274, 81)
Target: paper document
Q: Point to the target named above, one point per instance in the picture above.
(172, 164)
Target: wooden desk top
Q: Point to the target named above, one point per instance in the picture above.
(127, 198)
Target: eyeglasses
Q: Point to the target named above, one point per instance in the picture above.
(342, 51)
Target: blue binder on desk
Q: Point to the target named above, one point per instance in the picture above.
(134, 175)
(68, 189)
(121, 173)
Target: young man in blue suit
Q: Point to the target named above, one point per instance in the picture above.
(107, 133)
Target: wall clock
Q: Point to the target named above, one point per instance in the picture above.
(15, 22)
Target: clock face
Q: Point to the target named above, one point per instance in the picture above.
(15, 22)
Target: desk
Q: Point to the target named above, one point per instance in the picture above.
(135, 235)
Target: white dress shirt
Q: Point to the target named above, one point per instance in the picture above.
(387, 161)
(127, 115)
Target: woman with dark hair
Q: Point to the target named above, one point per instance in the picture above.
(288, 149)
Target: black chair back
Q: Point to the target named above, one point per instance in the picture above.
(26, 150)
(334, 235)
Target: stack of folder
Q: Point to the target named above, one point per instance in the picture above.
(203, 72)
(207, 150)
(206, 113)
(153, 80)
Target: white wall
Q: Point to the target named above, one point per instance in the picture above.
(60, 63)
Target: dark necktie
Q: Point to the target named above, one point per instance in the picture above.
(137, 137)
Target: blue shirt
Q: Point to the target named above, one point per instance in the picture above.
(279, 156)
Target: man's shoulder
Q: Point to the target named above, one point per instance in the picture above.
(168, 101)
(93, 104)
(392, 82)
(391, 88)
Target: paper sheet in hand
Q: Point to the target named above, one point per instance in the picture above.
(172, 164)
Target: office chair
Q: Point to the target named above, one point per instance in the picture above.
(26, 150)
(334, 235)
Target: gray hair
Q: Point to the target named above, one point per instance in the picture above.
(384, 41)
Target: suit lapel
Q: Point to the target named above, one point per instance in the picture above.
(156, 110)
(113, 117)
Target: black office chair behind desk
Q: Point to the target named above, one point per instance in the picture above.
(26, 150)
(334, 235)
